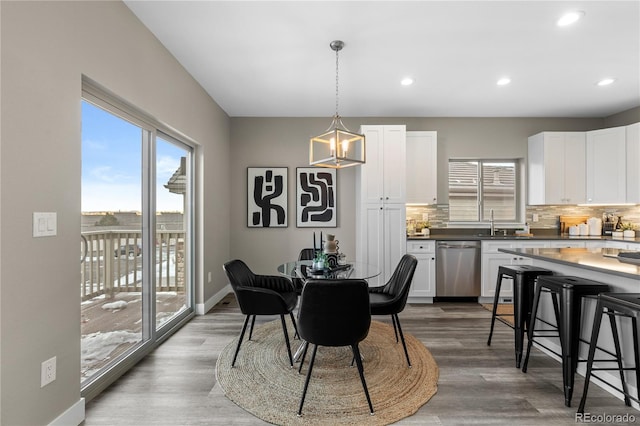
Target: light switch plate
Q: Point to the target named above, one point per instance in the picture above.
(45, 224)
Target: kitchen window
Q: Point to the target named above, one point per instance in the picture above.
(478, 186)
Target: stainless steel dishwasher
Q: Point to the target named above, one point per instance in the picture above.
(458, 269)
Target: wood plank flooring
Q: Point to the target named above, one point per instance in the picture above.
(479, 384)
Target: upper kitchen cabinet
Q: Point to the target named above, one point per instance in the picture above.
(633, 159)
(382, 177)
(606, 166)
(422, 167)
(556, 168)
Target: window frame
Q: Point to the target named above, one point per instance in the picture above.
(520, 195)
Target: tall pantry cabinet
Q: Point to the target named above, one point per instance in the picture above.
(381, 197)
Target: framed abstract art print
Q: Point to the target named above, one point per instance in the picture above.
(316, 197)
(267, 197)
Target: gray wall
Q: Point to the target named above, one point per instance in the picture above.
(46, 48)
(624, 118)
(280, 142)
(285, 142)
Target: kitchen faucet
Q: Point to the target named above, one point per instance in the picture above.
(491, 223)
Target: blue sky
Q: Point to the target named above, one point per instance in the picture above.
(112, 164)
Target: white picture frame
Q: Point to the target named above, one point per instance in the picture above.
(316, 197)
(267, 197)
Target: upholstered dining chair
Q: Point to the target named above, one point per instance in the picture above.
(334, 313)
(391, 298)
(305, 254)
(261, 295)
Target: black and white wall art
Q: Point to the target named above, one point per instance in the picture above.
(316, 198)
(267, 197)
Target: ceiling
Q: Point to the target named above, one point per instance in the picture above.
(272, 59)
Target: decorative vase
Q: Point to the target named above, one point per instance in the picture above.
(331, 244)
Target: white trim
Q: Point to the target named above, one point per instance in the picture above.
(203, 308)
(74, 415)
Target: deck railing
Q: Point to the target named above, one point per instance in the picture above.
(113, 262)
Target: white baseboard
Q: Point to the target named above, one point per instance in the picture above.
(74, 415)
(203, 308)
(420, 299)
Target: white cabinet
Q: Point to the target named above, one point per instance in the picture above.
(633, 160)
(382, 177)
(622, 245)
(606, 165)
(556, 168)
(381, 211)
(382, 238)
(422, 167)
(423, 287)
(567, 244)
(492, 259)
(490, 264)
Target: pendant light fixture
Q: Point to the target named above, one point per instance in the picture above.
(337, 147)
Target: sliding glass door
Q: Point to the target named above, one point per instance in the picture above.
(172, 241)
(136, 260)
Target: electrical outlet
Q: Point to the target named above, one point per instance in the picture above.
(535, 217)
(48, 372)
(425, 217)
(209, 277)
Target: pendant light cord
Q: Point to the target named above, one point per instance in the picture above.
(337, 69)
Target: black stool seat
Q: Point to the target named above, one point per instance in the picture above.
(568, 310)
(524, 278)
(626, 305)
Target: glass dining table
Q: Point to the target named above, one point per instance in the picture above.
(302, 269)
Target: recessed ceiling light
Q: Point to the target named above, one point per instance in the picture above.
(503, 81)
(606, 81)
(407, 81)
(569, 18)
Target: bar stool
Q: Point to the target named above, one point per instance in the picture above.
(570, 291)
(624, 305)
(524, 278)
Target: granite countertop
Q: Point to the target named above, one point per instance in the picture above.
(600, 260)
(540, 236)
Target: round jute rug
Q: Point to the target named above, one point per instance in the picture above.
(263, 383)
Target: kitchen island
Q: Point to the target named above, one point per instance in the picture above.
(598, 264)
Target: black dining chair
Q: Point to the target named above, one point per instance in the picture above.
(334, 313)
(261, 295)
(391, 298)
(305, 254)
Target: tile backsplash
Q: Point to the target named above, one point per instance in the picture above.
(547, 215)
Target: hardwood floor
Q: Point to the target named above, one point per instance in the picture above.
(479, 384)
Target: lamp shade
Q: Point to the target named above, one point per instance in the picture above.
(337, 148)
